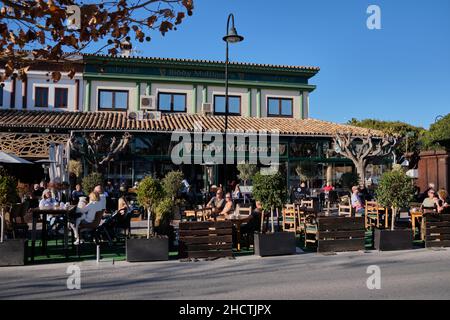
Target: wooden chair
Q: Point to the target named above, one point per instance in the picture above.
(244, 210)
(289, 218)
(372, 217)
(188, 215)
(301, 216)
(311, 231)
(92, 226)
(345, 210)
(307, 203)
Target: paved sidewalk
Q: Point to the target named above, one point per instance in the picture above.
(415, 274)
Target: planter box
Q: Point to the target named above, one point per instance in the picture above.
(13, 252)
(387, 240)
(275, 244)
(153, 249)
(337, 234)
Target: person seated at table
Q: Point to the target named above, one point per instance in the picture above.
(47, 199)
(443, 205)
(430, 203)
(87, 215)
(217, 203)
(329, 187)
(103, 195)
(228, 208)
(303, 191)
(77, 193)
(254, 220)
(253, 223)
(237, 192)
(356, 201)
(123, 206)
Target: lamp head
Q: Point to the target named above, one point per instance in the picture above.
(233, 36)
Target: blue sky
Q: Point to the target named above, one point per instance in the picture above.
(401, 72)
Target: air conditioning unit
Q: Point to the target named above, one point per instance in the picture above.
(137, 115)
(153, 115)
(206, 108)
(132, 115)
(148, 103)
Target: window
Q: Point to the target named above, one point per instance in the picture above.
(279, 107)
(234, 104)
(61, 97)
(171, 102)
(113, 99)
(41, 97)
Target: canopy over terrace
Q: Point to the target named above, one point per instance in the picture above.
(301, 140)
(64, 122)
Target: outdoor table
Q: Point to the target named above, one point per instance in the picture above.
(237, 221)
(56, 211)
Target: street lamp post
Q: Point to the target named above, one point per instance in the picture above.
(231, 37)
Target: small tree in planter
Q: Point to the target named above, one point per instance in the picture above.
(246, 171)
(394, 191)
(149, 195)
(172, 185)
(91, 181)
(270, 191)
(12, 252)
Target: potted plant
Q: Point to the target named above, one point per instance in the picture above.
(246, 173)
(172, 185)
(91, 181)
(12, 251)
(154, 247)
(394, 191)
(270, 191)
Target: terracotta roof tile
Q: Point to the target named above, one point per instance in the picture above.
(118, 121)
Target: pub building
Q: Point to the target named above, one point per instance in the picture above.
(150, 98)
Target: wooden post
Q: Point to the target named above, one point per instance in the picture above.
(148, 223)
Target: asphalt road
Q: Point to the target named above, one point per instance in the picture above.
(415, 274)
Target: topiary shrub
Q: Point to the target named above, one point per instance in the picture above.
(91, 181)
(149, 194)
(172, 184)
(8, 189)
(395, 190)
(270, 190)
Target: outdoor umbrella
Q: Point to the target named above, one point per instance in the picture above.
(12, 159)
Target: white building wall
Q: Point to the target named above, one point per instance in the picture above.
(113, 85)
(271, 93)
(41, 79)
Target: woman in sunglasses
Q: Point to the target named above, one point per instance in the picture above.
(430, 203)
